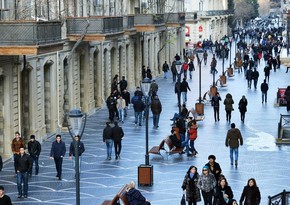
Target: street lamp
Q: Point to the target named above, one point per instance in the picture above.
(230, 69)
(145, 85)
(178, 65)
(77, 125)
(145, 172)
(236, 36)
(199, 107)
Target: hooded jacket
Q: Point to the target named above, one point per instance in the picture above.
(234, 138)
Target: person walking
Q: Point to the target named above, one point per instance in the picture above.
(17, 142)
(215, 102)
(4, 199)
(139, 107)
(57, 153)
(117, 134)
(224, 192)
(34, 149)
(251, 194)
(108, 139)
(165, 69)
(228, 102)
(126, 97)
(192, 136)
(80, 148)
(121, 105)
(213, 65)
(173, 71)
(189, 185)
(255, 77)
(123, 84)
(112, 106)
(190, 68)
(23, 165)
(243, 107)
(214, 167)
(183, 89)
(156, 108)
(206, 183)
(264, 89)
(153, 88)
(287, 97)
(267, 72)
(205, 55)
(249, 77)
(234, 139)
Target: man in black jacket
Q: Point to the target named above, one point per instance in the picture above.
(264, 89)
(117, 133)
(34, 149)
(81, 149)
(23, 164)
(108, 139)
(57, 153)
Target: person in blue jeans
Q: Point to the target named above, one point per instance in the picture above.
(23, 165)
(234, 139)
(108, 139)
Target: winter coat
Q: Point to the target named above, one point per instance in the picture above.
(264, 87)
(233, 138)
(81, 148)
(16, 144)
(117, 133)
(184, 86)
(139, 105)
(215, 101)
(23, 163)
(287, 95)
(34, 148)
(228, 102)
(213, 168)
(206, 183)
(57, 149)
(243, 105)
(193, 132)
(107, 133)
(220, 194)
(135, 197)
(156, 106)
(190, 185)
(250, 196)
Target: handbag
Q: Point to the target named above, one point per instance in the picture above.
(182, 202)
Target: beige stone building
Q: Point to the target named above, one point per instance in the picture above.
(206, 19)
(62, 54)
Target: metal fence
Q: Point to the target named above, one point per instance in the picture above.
(128, 22)
(148, 19)
(282, 198)
(29, 32)
(96, 25)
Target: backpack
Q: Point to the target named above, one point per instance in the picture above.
(134, 99)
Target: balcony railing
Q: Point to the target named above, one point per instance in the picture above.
(128, 22)
(148, 19)
(29, 33)
(215, 13)
(282, 198)
(174, 18)
(94, 25)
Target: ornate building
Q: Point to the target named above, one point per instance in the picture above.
(62, 54)
(206, 19)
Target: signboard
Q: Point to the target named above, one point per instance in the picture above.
(187, 31)
(200, 29)
(281, 101)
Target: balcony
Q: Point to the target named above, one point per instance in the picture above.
(149, 22)
(94, 28)
(128, 22)
(174, 19)
(30, 37)
(210, 13)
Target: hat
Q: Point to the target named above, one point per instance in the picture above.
(32, 136)
(205, 167)
(211, 157)
(1, 188)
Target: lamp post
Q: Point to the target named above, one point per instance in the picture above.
(223, 55)
(145, 85)
(178, 65)
(77, 125)
(199, 107)
(236, 36)
(145, 172)
(230, 69)
(213, 88)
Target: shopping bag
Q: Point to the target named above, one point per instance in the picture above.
(182, 202)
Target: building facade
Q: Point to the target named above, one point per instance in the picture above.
(62, 54)
(206, 19)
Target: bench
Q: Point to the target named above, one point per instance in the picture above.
(171, 148)
(121, 195)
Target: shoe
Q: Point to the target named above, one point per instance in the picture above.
(59, 178)
(172, 119)
(109, 158)
(19, 196)
(140, 125)
(25, 196)
(189, 155)
(236, 163)
(116, 157)
(36, 173)
(183, 152)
